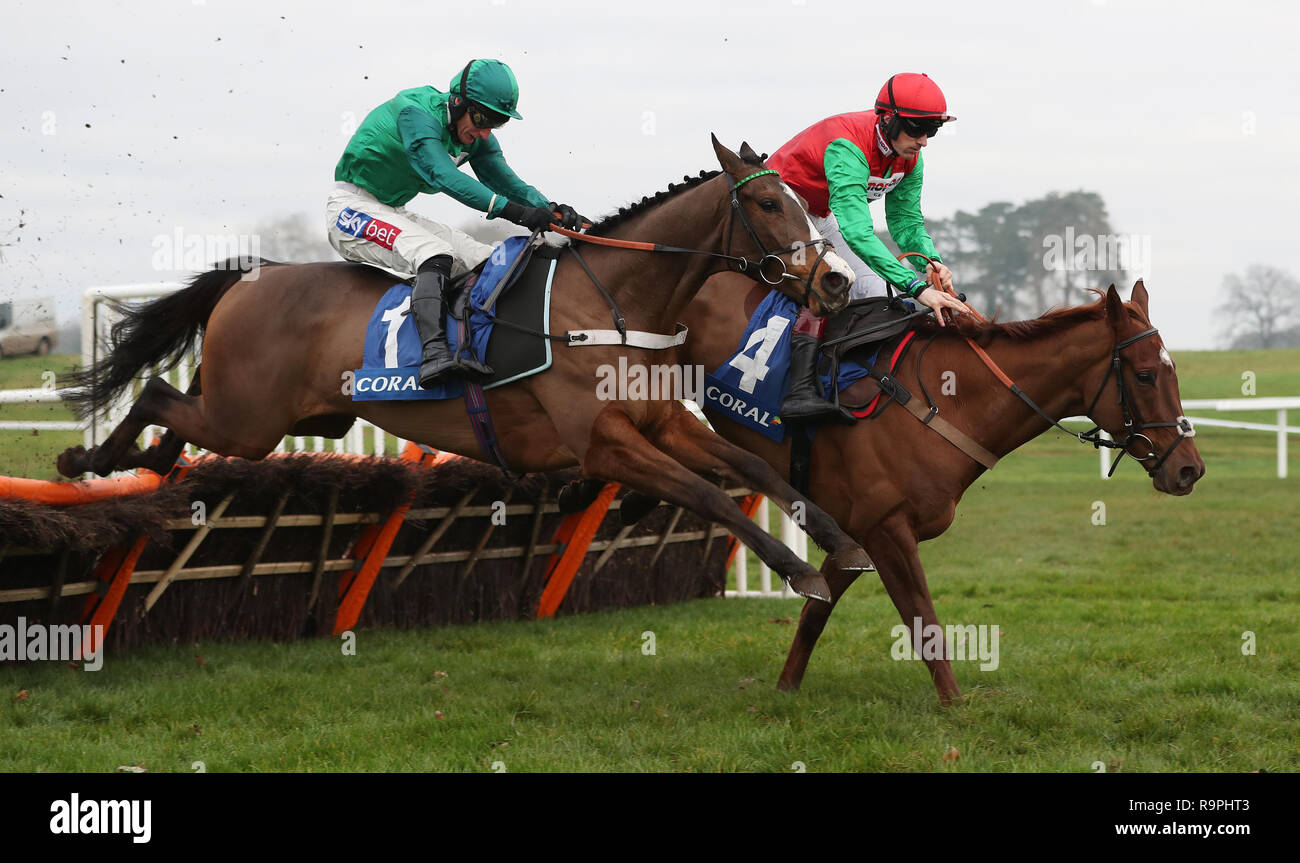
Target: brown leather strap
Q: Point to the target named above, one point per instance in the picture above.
(951, 433)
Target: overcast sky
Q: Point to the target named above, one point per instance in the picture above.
(124, 122)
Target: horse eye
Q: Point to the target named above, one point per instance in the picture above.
(1147, 378)
(771, 205)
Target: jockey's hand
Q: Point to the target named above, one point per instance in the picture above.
(936, 269)
(569, 217)
(532, 218)
(939, 301)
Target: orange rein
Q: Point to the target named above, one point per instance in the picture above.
(988, 361)
(602, 241)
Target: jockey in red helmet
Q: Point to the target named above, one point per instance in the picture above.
(839, 166)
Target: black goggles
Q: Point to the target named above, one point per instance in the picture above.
(485, 118)
(920, 127)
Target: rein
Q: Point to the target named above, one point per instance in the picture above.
(755, 269)
(621, 335)
(1123, 398)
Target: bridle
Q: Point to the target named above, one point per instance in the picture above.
(759, 273)
(1132, 416)
(1133, 421)
(754, 269)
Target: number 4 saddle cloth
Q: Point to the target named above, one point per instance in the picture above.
(749, 387)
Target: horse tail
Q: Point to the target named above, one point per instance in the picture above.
(158, 333)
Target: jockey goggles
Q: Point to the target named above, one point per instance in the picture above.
(921, 127)
(485, 118)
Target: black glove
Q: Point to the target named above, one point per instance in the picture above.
(569, 217)
(532, 218)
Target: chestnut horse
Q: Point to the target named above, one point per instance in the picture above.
(892, 484)
(277, 348)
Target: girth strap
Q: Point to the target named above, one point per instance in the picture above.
(631, 338)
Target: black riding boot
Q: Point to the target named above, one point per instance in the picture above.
(802, 404)
(428, 309)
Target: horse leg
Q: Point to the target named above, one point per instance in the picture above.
(893, 546)
(619, 452)
(811, 623)
(161, 457)
(159, 404)
(686, 439)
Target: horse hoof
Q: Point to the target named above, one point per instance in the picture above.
(854, 559)
(578, 494)
(70, 460)
(635, 507)
(811, 585)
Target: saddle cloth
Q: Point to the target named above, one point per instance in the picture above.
(392, 347)
(750, 386)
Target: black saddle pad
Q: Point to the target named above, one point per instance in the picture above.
(523, 303)
(862, 327)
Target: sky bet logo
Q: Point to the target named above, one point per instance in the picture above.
(368, 228)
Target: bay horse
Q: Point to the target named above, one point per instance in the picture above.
(892, 483)
(277, 348)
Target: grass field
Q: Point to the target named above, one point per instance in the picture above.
(1120, 643)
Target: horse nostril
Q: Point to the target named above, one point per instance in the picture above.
(1187, 476)
(835, 281)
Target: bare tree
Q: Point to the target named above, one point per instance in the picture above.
(1259, 309)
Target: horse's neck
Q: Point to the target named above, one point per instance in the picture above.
(1049, 369)
(653, 288)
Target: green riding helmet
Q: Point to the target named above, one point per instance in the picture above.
(491, 84)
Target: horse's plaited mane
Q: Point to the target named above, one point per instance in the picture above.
(624, 213)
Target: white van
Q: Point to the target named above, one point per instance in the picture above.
(26, 327)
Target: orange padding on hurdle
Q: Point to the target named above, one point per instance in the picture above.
(91, 490)
(116, 569)
(73, 493)
(371, 548)
(749, 505)
(575, 533)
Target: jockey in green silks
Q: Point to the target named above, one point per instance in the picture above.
(839, 166)
(415, 143)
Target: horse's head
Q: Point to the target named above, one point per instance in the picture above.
(1137, 398)
(770, 227)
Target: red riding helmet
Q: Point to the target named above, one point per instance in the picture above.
(909, 94)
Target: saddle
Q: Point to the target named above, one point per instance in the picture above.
(861, 332)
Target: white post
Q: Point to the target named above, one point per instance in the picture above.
(1105, 457)
(88, 355)
(764, 571)
(742, 569)
(1281, 444)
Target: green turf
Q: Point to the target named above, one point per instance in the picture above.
(32, 453)
(1120, 643)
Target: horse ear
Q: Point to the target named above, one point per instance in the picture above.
(730, 162)
(1114, 308)
(1139, 296)
(747, 153)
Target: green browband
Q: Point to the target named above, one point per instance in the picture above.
(740, 183)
